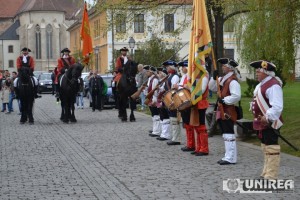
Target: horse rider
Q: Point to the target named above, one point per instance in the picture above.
(230, 95)
(63, 64)
(120, 63)
(26, 61)
(267, 106)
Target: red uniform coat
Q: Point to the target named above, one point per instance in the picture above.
(61, 64)
(30, 62)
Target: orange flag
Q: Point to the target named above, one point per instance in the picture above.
(85, 34)
(200, 44)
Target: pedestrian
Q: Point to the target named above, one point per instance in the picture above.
(96, 85)
(63, 64)
(53, 75)
(104, 93)
(142, 79)
(230, 95)
(5, 96)
(114, 89)
(267, 106)
(12, 92)
(89, 93)
(79, 97)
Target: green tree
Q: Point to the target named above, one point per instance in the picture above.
(155, 51)
(270, 32)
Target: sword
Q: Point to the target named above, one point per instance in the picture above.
(285, 140)
(276, 132)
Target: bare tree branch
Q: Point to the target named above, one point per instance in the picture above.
(235, 13)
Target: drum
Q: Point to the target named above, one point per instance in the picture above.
(167, 99)
(182, 99)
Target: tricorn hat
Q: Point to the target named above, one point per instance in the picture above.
(152, 69)
(183, 63)
(169, 62)
(124, 49)
(65, 50)
(263, 64)
(26, 49)
(146, 67)
(229, 61)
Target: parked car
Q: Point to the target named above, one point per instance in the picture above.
(45, 83)
(38, 73)
(109, 99)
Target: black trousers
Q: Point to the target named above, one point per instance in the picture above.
(268, 137)
(185, 114)
(154, 111)
(96, 100)
(226, 126)
(163, 113)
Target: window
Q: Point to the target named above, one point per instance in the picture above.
(10, 49)
(49, 32)
(169, 23)
(139, 23)
(11, 64)
(120, 24)
(38, 52)
(96, 28)
(229, 53)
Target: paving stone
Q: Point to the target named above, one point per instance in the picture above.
(101, 158)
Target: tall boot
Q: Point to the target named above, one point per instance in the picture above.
(190, 138)
(273, 153)
(230, 149)
(175, 132)
(202, 141)
(16, 89)
(165, 129)
(156, 126)
(57, 90)
(263, 147)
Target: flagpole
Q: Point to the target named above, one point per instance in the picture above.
(220, 106)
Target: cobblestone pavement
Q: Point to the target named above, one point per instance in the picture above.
(101, 158)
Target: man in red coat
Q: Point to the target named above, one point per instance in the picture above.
(63, 63)
(27, 61)
(120, 63)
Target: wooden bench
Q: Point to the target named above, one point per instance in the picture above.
(245, 129)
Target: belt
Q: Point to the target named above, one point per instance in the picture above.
(272, 154)
(229, 140)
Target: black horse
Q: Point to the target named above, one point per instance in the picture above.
(126, 87)
(69, 87)
(25, 92)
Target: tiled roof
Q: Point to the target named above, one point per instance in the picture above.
(70, 6)
(11, 33)
(8, 9)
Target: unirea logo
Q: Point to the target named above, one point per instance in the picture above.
(258, 186)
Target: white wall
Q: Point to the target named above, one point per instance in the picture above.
(10, 56)
(153, 25)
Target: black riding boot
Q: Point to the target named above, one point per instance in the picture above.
(16, 92)
(57, 91)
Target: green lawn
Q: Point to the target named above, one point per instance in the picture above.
(291, 116)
